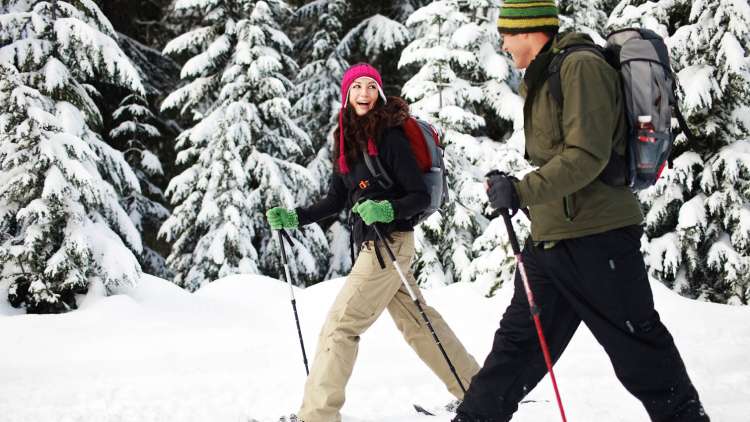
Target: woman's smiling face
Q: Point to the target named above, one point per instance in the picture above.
(363, 94)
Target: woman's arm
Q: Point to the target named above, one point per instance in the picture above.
(331, 204)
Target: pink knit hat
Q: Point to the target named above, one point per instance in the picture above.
(354, 72)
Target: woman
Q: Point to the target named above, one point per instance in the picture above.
(371, 123)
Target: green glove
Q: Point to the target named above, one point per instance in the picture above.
(282, 218)
(374, 211)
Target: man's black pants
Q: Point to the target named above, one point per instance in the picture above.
(600, 280)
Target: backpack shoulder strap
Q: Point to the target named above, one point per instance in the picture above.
(553, 72)
(376, 169)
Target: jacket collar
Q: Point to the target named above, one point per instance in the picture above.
(536, 73)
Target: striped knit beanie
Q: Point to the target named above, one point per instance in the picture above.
(520, 16)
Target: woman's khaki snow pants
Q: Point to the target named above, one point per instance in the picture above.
(367, 291)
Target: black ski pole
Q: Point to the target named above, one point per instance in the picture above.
(282, 233)
(532, 305)
(419, 306)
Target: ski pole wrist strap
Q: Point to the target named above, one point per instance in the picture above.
(286, 236)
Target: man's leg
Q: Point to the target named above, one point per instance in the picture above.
(516, 364)
(604, 279)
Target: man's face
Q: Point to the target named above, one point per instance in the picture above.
(520, 48)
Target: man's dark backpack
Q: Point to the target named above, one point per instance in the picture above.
(424, 140)
(648, 86)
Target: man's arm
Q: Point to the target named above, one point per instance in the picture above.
(589, 120)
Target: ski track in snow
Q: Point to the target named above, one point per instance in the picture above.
(230, 352)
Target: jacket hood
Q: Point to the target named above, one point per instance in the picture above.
(567, 39)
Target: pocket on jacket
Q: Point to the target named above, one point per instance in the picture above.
(547, 138)
(547, 121)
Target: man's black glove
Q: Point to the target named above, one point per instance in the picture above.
(501, 192)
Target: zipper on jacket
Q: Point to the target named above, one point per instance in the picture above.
(567, 199)
(567, 207)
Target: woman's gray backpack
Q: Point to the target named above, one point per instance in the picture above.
(424, 140)
(648, 86)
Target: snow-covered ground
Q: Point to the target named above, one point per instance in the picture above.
(230, 353)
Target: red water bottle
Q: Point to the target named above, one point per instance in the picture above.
(646, 146)
(646, 129)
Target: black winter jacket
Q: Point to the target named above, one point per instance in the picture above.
(408, 195)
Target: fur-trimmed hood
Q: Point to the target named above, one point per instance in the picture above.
(393, 113)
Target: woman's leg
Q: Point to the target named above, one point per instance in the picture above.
(364, 296)
(411, 324)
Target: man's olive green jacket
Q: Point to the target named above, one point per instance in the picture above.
(571, 144)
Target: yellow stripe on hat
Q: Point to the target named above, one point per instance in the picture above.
(525, 5)
(527, 22)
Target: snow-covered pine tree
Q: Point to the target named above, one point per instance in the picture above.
(373, 29)
(160, 76)
(63, 228)
(661, 16)
(374, 34)
(242, 155)
(316, 89)
(404, 8)
(697, 221)
(316, 99)
(147, 21)
(159, 73)
(503, 141)
(587, 16)
(133, 133)
(460, 75)
(608, 6)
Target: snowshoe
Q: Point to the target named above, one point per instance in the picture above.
(445, 410)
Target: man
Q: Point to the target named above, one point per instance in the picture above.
(583, 259)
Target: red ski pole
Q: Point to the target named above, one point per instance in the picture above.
(532, 305)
